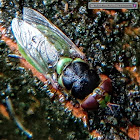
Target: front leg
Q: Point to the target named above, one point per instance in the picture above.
(52, 80)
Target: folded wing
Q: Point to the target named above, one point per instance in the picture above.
(63, 44)
(35, 47)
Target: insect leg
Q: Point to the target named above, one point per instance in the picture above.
(15, 118)
(110, 105)
(52, 81)
(15, 56)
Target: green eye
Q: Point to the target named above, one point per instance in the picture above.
(78, 60)
(60, 81)
(62, 63)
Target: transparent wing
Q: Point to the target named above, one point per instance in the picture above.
(63, 44)
(34, 47)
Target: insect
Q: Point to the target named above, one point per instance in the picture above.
(51, 52)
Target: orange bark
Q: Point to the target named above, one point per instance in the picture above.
(4, 112)
(134, 132)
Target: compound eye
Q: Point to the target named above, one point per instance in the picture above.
(60, 81)
(62, 63)
(78, 60)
